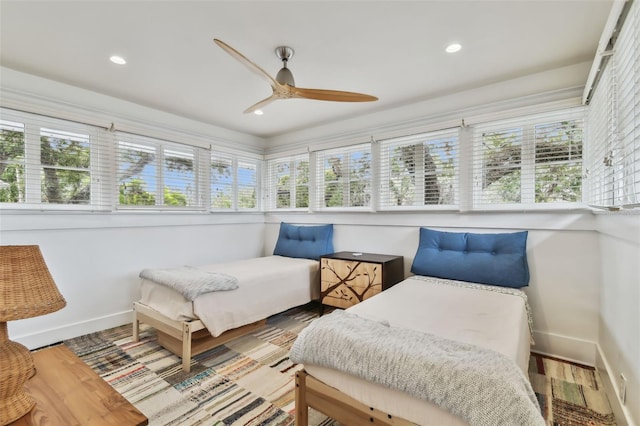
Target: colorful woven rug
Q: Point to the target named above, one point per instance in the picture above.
(569, 394)
(249, 381)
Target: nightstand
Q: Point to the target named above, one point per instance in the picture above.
(348, 278)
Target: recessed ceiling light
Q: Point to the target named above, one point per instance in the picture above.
(453, 48)
(258, 112)
(118, 60)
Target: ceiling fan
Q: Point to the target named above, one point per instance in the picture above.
(283, 85)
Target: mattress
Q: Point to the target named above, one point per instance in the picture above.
(266, 286)
(484, 318)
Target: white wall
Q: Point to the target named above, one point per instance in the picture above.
(619, 337)
(562, 250)
(95, 260)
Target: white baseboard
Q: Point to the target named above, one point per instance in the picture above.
(564, 347)
(55, 335)
(623, 417)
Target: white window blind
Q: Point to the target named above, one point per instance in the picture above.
(613, 169)
(343, 177)
(533, 160)
(153, 173)
(601, 129)
(627, 69)
(234, 182)
(54, 163)
(419, 170)
(247, 184)
(288, 182)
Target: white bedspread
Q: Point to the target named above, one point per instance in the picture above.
(267, 285)
(488, 319)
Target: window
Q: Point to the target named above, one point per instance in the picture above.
(288, 182)
(419, 170)
(613, 167)
(12, 162)
(247, 184)
(233, 182)
(344, 177)
(155, 173)
(534, 160)
(45, 161)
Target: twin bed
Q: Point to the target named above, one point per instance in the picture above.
(188, 324)
(432, 349)
(458, 333)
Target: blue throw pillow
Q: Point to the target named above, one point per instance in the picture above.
(495, 259)
(309, 242)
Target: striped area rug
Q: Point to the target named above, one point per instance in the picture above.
(569, 394)
(249, 381)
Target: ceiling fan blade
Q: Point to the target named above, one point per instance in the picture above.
(246, 62)
(330, 95)
(262, 103)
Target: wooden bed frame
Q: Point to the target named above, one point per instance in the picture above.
(311, 392)
(184, 338)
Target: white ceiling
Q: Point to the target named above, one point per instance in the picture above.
(391, 49)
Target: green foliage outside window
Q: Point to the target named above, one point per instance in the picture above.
(11, 166)
(284, 190)
(556, 164)
(347, 180)
(66, 178)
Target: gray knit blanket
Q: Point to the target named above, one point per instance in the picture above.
(189, 281)
(482, 386)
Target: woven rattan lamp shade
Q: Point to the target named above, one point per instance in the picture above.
(26, 286)
(26, 290)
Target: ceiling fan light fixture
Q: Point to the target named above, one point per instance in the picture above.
(258, 112)
(285, 76)
(453, 48)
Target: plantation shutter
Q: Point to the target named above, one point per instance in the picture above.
(626, 156)
(247, 189)
(613, 169)
(344, 177)
(420, 170)
(154, 173)
(531, 160)
(222, 181)
(599, 170)
(53, 164)
(288, 182)
(234, 182)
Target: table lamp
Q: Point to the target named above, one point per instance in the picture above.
(26, 290)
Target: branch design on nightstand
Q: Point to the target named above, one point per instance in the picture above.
(345, 291)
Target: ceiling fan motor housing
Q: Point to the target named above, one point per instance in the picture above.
(284, 76)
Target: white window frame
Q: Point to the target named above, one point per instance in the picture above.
(235, 186)
(527, 165)
(161, 148)
(99, 163)
(271, 180)
(427, 139)
(320, 183)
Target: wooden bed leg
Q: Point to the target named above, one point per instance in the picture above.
(136, 326)
(186, 347)
(302, 410)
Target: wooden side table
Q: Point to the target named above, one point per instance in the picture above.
(69, 393)
(348, 278)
